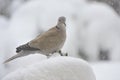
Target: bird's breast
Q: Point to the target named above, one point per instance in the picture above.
(54, 43)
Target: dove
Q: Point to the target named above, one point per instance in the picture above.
(46, 43)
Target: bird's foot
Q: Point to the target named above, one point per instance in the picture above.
(62, 54)
(66, 54)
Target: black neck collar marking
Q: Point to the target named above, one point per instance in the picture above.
(57, 27)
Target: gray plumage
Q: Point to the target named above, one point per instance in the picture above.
(47, 43)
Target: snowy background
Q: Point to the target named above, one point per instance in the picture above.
(93, 32)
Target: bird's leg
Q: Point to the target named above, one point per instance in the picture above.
(66, 54)
(60, 52)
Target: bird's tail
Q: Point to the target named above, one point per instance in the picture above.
(14, 57)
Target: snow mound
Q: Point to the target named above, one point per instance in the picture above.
(58, 68)
(22, 62)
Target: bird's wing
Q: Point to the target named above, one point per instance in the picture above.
(50, 32)
(44, 39)
(25, 47)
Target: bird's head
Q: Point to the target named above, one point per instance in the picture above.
(61, 21)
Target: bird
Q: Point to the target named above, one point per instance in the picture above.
(46, 43)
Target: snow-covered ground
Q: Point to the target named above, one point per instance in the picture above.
(107, 70)
(102, 70)
(58, 68)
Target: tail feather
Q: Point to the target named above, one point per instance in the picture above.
(14, 57)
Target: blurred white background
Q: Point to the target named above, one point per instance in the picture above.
(93, 32)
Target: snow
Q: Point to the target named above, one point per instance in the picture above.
(4, 43)
(99, 29)
(58, 68)
(107, 70)
(24, 61)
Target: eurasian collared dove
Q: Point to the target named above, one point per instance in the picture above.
(47, 43)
